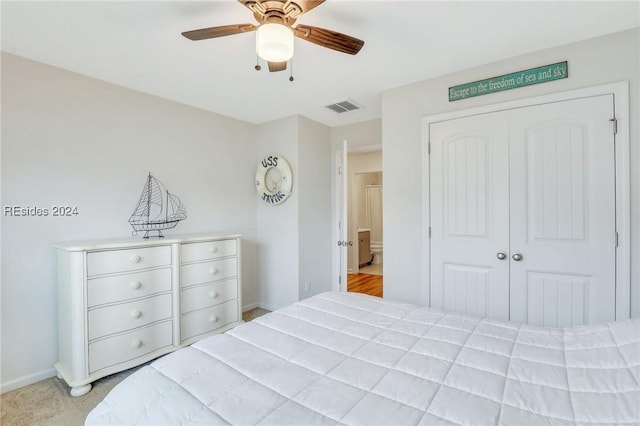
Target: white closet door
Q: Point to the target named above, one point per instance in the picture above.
(562, 217)
(470, 215)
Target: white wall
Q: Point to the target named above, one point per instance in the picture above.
(365, 162)
(314, 223)
(278, 270)
(72, 140)
(358, 135)
(294, 237)
(593, 62)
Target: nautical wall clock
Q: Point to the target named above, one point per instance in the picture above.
(274, 179)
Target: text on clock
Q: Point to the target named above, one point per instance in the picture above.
(270, 161)
(273, 198)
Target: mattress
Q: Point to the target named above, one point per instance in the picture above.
(347, 358)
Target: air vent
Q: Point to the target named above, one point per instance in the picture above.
(343, 106)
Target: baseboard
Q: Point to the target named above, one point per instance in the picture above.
(265, 307)
(27, 380)
(250, 307)
(260, 305)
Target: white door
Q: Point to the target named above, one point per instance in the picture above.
(469, 180)
(536, 184)
(563, 213)
(341, 168)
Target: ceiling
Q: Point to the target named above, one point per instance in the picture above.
(137, 44)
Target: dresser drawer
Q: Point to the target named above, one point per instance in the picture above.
(124, 347)
(112, 261)
(117, 288)
(200, 273)
(199, 297)
(207, 320)
(125, 316)
(194, 252)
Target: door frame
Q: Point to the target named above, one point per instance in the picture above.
(339, 226)
(336, 250)
(620, 92)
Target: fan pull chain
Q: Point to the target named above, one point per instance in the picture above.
(291, 70)
(258, 67)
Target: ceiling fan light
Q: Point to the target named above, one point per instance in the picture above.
(274, 42)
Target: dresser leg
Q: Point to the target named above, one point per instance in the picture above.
(80, 390)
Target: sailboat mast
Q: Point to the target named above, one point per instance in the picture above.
(148, 197)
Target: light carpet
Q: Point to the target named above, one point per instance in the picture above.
(48, 403)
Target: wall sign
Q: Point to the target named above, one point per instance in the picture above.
(509, 81)
(274, 180)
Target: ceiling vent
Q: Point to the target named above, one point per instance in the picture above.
(344, 106)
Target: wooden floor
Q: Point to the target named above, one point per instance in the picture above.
(364, 283)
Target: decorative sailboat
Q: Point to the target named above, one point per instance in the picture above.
(157, 209)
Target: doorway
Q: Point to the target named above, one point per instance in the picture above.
(365, 257)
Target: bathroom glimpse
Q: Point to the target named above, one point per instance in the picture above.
(370, 234)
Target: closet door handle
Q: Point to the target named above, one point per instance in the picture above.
(517, 256)
(501, 255)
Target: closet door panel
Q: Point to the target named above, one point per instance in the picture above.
(562, 217)
(468, 289)
(557, 299)
(469, 215)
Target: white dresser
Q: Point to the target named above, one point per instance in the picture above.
(124, 302)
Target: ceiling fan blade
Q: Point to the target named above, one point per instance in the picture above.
(277, 66)
(213, 32)
(330, 39)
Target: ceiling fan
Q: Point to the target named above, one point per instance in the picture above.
(275, 31)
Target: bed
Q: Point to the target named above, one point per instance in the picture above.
(347, 358)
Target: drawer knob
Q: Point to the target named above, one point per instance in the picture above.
(213, 271)
(213, 294)
(213, 249)
(135, 285)
(214, 318)
(135, 258)
(136, 314)
(136, 344)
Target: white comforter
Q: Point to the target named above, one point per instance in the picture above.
(341, 358)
